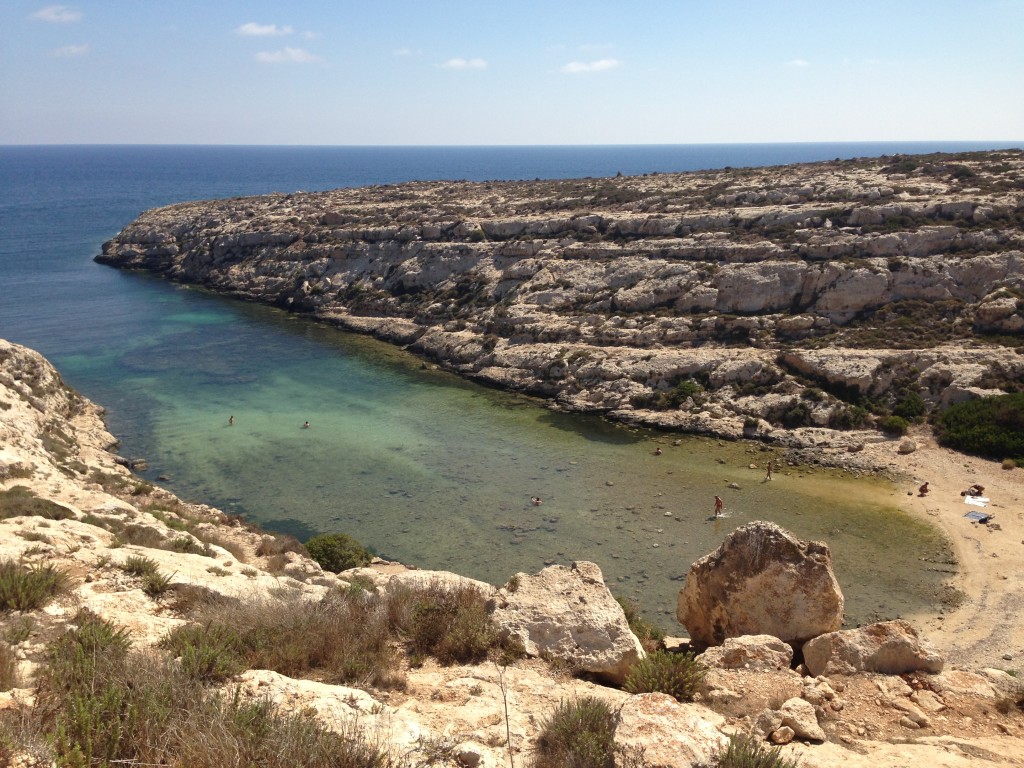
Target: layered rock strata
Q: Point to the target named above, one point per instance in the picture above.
(776, 297)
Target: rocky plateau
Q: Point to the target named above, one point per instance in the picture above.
(794, 304)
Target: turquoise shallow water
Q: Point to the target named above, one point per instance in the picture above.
(417, 464)
(429, 469)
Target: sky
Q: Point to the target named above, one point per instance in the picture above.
(483, 72)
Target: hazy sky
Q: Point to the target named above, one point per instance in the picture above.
(489, 72)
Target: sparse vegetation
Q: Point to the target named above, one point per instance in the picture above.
(21, 501)
(677, 674)
(100, 703)
(578, 734)
(8, 668)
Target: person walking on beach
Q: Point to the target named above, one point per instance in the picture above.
(719, 506)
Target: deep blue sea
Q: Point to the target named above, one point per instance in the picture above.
(415, 463)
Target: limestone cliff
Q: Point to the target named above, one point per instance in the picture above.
(723, 302)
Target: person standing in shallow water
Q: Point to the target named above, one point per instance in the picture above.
(231, 421)
(768, 474)
(719, 506)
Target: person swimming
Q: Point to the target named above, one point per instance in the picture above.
(536, 501)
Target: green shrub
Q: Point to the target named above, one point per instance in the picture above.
(139, 565)
(28, 588)
(578, 734)
(911, 406)
(798, 414)
(19, 500)
(337, 552)
(1009, 464)
(650, 636)
(677, 674)
(210, 653)
(749, 752)
(848, 417)
(992, 427)
(894, 425)
(156, 583)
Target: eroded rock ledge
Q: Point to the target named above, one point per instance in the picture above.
(777, 297)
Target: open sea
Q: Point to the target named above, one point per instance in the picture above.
(418, 465)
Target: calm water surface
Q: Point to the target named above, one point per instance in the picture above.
(417, 464)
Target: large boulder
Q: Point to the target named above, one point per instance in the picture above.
(568, 613)
(888, 647)
(761, 581)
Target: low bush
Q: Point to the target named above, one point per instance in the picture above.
(578, 734)
(848, 417)
(992, 427)
(677, 674)
(29, 588)
(749, 752)
(894, 425)
(210, 653)
(19, 500)
(337, 552)
(911, 406)
(278, 544)
(449, 623)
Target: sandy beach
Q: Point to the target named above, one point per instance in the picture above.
(987, 629)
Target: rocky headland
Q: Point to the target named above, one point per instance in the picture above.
(794, 304)
(763, 611)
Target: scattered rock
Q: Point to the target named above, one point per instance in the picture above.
(889, 647)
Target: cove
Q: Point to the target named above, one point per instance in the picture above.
(434, 471)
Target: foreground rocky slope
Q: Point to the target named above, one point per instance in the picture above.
(758, 301)
(67, 502)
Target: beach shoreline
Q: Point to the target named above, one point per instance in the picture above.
(987, 628)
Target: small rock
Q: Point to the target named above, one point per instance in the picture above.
(783, 735)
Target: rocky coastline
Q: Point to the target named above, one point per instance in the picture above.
(878, 696)
(796, 305)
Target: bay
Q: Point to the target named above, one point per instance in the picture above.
(415, 463)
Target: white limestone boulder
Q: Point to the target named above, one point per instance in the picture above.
(888, 647)
(670, 734)
(568, 613)
(762, 580)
